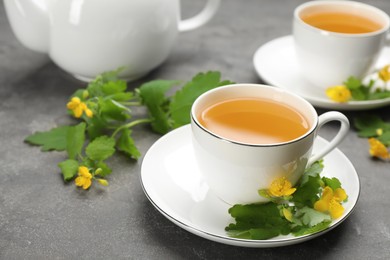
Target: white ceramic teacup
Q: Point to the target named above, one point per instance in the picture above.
(235, 171)
(328, 58)
(88, 37)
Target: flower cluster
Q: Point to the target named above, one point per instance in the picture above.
(331, 202)
(308, 207)
(378, 149)
(78, 108)
(85, 178)
(377, 131)
(356, 90)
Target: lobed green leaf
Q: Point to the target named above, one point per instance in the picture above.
(257, 221)
(75, 139)
(54, 139)
(333, 183)
(101, 148)
(69, 169)
(127, 145)
(153, 96)
(183, 99)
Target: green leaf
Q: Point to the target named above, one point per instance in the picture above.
(264, 193)
(333, 183)
(105, 169)
(54, 139)
(126, 144)
(153, 96)
(69, 169)
(359, 94)
(371, 121)
(79, 94)
(314, 171)
(365, 133)
(125, 96)
(96, 127)
(263, 233)
(110, 109)
(385, 138)
(301, 231)
(113, 87)
(311, 217)
(101, 148)
(369, 124)
(97, 88)
(183, 99)
(75, 139)
(257, 221)
(307, 193)
(353, 83)
(379, 95)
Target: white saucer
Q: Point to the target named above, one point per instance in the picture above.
(276, 64)
(173, 184)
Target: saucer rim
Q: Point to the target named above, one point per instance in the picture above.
(274, 242)
(314, 100)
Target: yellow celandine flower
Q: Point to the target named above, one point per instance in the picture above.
(78, 107)
(84, 178)
(331, 202)
(384, 73)
(281, 187)
(339, 93)
(378, 149)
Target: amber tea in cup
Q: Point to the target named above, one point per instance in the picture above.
(246, 135)
(334, 40)
(341, 22)
(254, 121)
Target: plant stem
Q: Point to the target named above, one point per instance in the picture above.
(131, 124)
(135, 103)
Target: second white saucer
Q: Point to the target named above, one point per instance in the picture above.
(276, 64)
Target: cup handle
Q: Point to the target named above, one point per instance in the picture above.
(201, 18)
(344, 127)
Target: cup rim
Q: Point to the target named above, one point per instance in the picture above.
(384, 15)
(312, 128)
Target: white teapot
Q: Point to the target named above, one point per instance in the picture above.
(88, 37)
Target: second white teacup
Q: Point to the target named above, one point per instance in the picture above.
(247, 135)
(338, 39)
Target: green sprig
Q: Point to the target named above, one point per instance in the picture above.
(95, 139)
(267, 220)
(364, 91)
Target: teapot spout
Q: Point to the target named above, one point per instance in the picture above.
(29, 21)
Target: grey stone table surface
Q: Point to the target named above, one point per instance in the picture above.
(41, 217)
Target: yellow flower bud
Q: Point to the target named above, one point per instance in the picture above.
(287, 214)
(89, 113)
(85, 94)
(98, 171)
(103, 182)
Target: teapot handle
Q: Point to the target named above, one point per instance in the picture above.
(201, 18)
